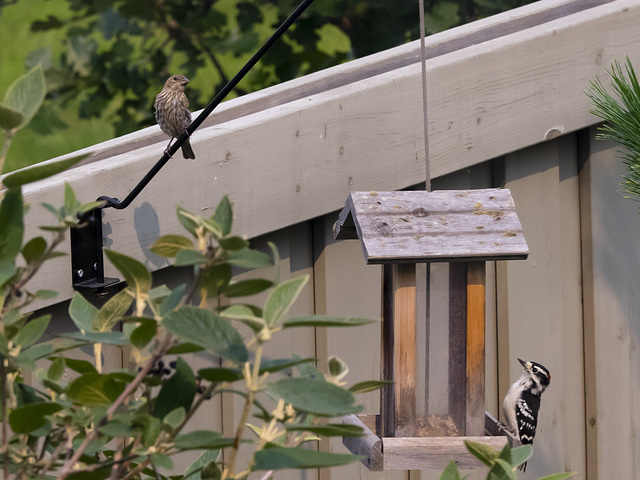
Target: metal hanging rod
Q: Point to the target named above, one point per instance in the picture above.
(86, 242)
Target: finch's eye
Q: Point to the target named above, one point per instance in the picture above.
(175, 78)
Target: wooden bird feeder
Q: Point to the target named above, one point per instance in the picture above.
(399, 229)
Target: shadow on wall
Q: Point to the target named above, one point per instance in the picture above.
(147, 227)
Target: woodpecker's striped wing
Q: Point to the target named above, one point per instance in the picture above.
(527, 416)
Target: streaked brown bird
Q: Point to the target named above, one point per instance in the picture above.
(172, 111)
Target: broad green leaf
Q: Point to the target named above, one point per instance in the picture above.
(11, 224)
(169, 245)
(135, 273)
(40, 171)
(282, 363)
(233, 243)
(450, 472)
(101, 473)
(158, 293)
(201, 439)
(34, 249)
(279, 458)
(329, 430)
(71, 203)
(143, 334)
(369, 386)
(52, 385)
(95, 389)
(28, 357)
(281, 298)
(503, 469)
(223, 216)
(247, 258)
(189, 257)
(173, 300)
(117, 429)
(7, 270)
(112, 311)
(82, 312)
(56, 369)
(520, 454)
(178, 391)
(315, 396)
(108, 338)
(162, 461)
(214, 279)
(211, 226)
(26, 394)
(184, 348)
(484, 453)
(220, 374)
(175, 417)
(151, 428)
(245, 288)
(245, 315)
(558, 476)
(46, 294)
(32, 416)
(26, 94)
(32, 331)
(209, 331)
(80, 366)
(324, 321)
(10, 119)
(194, 470)
(188, 220)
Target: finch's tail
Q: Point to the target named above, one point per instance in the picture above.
(187, 151)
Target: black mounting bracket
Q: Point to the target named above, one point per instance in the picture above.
(87, 262)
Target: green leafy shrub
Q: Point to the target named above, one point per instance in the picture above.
(502, 464)
(128, 424)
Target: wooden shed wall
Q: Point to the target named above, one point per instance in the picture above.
(571, 306)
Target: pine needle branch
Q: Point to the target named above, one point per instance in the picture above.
(621, 114)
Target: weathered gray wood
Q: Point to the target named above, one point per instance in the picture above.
(444, 225)
(369, 445)
(427, 453)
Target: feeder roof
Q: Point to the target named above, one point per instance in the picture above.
(439, 226)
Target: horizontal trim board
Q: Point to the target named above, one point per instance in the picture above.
(301, 159)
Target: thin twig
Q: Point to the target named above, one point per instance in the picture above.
(130, 388)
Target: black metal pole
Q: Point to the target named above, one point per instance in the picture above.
(114, 203)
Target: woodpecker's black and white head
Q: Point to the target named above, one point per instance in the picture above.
(537, 374)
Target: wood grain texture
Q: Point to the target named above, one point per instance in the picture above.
(545, 300)
(426, 453)
(405, 361)
(612, 330)
(299, 160)
(476, 278)
(443, 225)
(369, 445)
(458, 345)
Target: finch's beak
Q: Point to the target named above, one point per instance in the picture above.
(185, 81)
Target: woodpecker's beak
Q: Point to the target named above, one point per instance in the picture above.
(526, 365)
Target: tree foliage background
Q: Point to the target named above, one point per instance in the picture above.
(106, 60)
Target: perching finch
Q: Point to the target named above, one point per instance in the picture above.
(172, 111)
